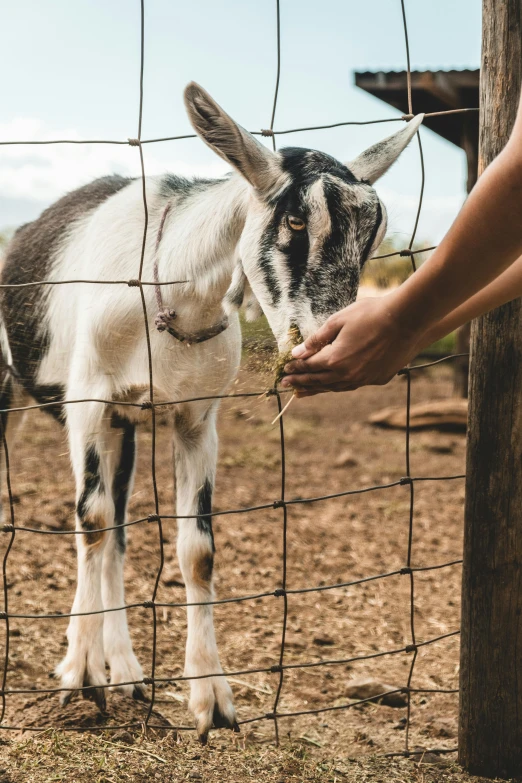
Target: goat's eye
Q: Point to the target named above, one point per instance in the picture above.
(295, 223)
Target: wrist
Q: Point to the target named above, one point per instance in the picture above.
(403, 321)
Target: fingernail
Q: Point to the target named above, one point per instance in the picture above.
(298, 350)
(285, 382)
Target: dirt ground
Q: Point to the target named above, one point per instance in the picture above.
(330, 448)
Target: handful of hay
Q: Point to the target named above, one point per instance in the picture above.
(296, 338)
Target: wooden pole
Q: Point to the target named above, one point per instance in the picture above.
(469, 144)
(490, 735)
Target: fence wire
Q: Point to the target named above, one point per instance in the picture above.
(281, 592)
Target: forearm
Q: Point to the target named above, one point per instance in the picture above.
(484, 240)
(505, 288)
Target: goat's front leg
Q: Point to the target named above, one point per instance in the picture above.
(84, 664)
(124, 665)
(196, 450)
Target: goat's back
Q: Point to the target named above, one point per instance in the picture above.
(29, 258)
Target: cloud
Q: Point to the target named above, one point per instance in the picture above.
(44, 173)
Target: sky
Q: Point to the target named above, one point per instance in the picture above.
(70, 69)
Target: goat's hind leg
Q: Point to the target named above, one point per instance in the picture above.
(84, 664)
(195, 449)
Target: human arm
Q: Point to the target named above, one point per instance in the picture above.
(505, 288)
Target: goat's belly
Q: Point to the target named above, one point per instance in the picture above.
(134, 403)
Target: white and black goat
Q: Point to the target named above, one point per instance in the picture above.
(291, 229)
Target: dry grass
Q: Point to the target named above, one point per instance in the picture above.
(106, 759)
(91, 758)
(386, 272)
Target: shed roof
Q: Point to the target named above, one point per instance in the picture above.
(432, 91)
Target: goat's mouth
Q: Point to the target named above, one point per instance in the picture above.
(294, 338)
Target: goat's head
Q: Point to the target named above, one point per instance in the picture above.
(311, 221)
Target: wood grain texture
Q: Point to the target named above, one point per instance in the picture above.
(490, 731)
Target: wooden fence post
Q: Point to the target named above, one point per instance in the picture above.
(490, 731)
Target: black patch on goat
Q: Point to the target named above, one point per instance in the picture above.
(298, 246)
(46, 393)
(91, 482)
(123, 476)
(305, 166)
(174, 185)
(328, 282)
(372, 236)
(265, 262)
(29, 258)
(204, 523)
(171, 185)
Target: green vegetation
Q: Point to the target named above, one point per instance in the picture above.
(445, 346)
(257, 333)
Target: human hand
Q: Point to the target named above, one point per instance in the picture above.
(364, 344)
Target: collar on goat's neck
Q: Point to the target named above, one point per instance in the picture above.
(166, 316)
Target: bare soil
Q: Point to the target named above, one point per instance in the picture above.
(330, 448)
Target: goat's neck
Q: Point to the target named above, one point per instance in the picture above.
(200, 240)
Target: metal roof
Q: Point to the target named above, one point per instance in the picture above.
(432, 91)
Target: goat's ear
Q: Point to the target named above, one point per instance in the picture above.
(231, 142)
(376, 160)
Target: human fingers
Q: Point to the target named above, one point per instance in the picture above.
(337, 387)
(318, 362)
(303, 393)
(324, 335)
(308, 381)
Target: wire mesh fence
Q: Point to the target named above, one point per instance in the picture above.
(280, 592)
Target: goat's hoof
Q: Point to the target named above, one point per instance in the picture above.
(97, 695)
(127, 675)
(88, 679)
(212, 706)
(136, 691)
(65, 698)
(139, 694)
(221, 720)
(90, 693)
